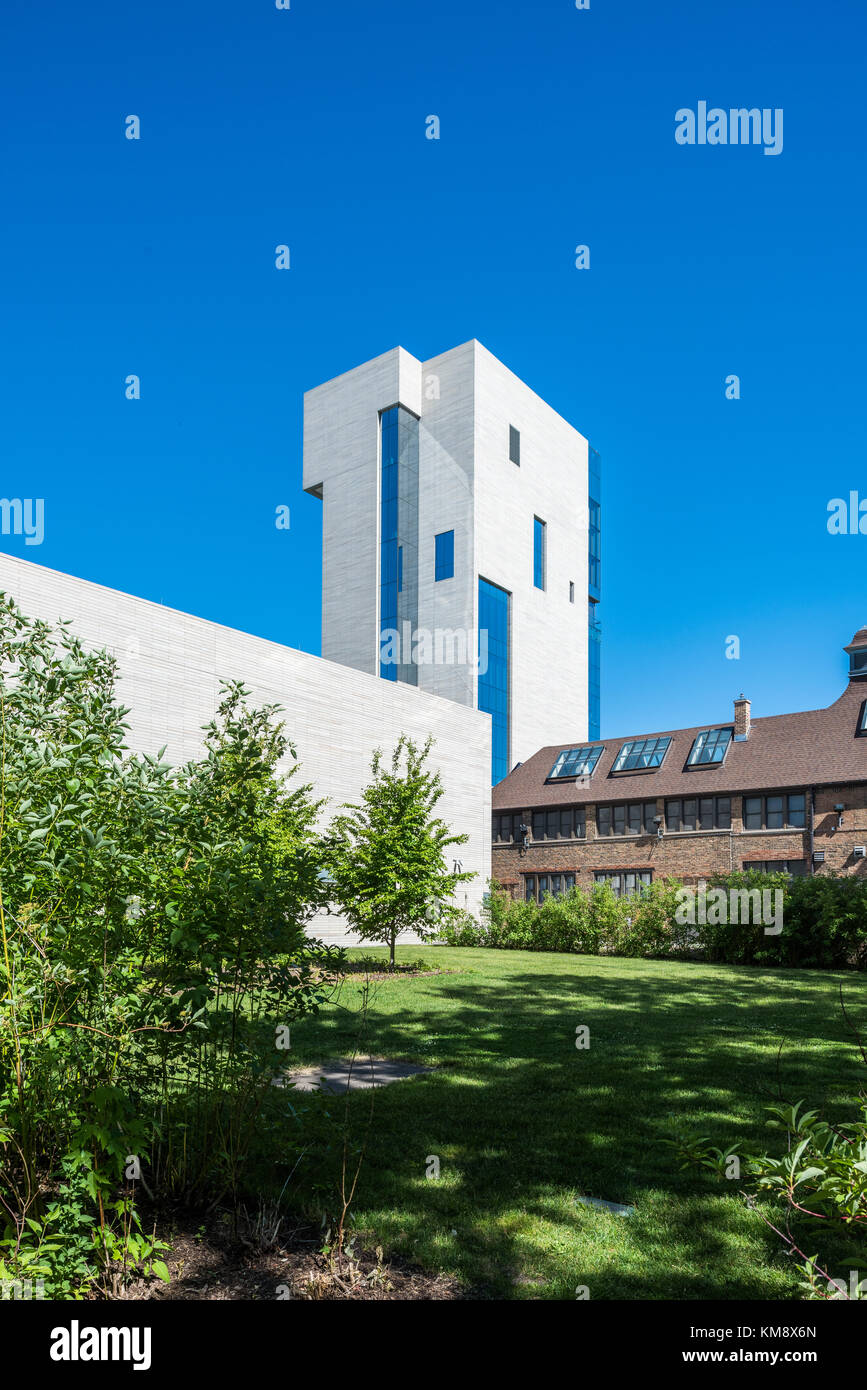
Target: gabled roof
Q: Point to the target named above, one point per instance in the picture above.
(814, 747)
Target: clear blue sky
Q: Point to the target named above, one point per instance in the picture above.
(306, 126)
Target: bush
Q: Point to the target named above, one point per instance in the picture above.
(824, 923)
(819, 1177)
(152, 938)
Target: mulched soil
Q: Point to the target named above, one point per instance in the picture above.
(208, 1261)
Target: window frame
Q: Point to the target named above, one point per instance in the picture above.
(761, 866)
(497, 818)
(694, 762)
(573, 817)
(515, 446)
(620, 818)
(565, 880)
(784, 813)
(447, 562)
(630, 749)
(682, 828)
(540, 554)
(586, 748)
(643, 879)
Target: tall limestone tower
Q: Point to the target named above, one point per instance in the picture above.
(461, 541)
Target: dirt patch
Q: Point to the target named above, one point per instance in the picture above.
(208, 1261)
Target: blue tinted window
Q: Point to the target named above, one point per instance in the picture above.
(595, 548)
(388, 546)
(538, 553)
(594, 673)
(444, 561)
(494, 671)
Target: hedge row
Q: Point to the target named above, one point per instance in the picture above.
(816, 923)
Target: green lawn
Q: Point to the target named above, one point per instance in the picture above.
(522, 1121)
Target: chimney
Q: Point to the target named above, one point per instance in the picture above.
(742, 719)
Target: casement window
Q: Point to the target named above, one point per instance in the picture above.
(709, 747)
(505, 827)
(625, 883)
(640, 753)
(699, 813)
(795, 868)
(775, 812)
(538, 887)
(575, 762)
(564, 823)
(626, 818)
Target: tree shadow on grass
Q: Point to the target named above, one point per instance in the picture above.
(521, 1121)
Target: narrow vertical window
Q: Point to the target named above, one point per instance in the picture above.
(571, 592)
(493, 696)
(539, 530)
(514, 445)
(444, 555)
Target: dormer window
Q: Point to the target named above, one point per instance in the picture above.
(861, 731)
(709, 747)
(857, 654)
(640, 754)
(575, 762)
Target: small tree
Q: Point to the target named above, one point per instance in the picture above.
(389, 872)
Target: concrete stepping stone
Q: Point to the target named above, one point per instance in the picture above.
(616, 1208)
(340, 1075)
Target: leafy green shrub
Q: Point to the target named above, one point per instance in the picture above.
(151, 941)
(645, 924)
(820, 1180)
(825, 923)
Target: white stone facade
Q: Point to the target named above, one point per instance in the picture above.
(466, 401)
(171, 666)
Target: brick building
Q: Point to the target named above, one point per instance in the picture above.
(786, 791)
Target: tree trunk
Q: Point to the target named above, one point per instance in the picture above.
(393, 935)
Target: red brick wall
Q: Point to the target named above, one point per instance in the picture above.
(691, 855)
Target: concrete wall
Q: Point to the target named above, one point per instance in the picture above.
(171, 665)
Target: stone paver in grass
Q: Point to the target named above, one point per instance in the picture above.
(616, 1208)
(340, 1075)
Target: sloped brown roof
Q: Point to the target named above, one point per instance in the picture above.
(815, 747)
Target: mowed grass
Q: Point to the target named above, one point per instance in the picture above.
(522, 1121)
